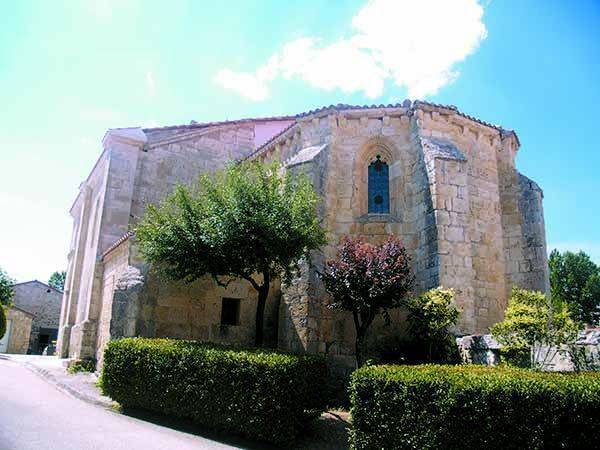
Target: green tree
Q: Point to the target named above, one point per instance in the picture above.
(575, 280)
(57, 280)
(6, 288)
(534, 323)
(430, 315)
(366, 280)
(247, 221)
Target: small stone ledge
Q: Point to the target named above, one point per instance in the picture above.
(378, 218)
(442, 149)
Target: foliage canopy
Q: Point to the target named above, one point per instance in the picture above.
(367, 279)
(245, 220)
(534, 323)
(57, 280)
(575, 280)
(6, 289)
(430, 315)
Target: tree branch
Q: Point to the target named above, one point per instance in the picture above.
(254, 284)
(221, 283)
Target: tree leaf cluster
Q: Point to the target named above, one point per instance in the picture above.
(575, 280)
(535, 323)
(57, 280)
(366, 280)
(6, 288)
(430, 315)
(244, 220)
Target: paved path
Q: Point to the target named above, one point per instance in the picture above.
(36, 415)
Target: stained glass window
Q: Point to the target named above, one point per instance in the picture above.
(379, 187)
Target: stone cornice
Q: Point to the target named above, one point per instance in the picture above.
(192, 134)
(417, 109)
(128, 136)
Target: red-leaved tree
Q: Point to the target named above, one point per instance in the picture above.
(366, 280)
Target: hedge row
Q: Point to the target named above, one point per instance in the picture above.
(256, 393)
(458, 407)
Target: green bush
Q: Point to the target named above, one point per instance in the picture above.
(256, 393)
(82, 365)
(516, 356)
(458, 407)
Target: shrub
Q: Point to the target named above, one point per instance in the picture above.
(256, 393)
(430, 315)
(458, 407)
(533, 322)
(82, 365)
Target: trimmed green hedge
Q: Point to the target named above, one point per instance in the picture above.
(256, 393)
(458, 407)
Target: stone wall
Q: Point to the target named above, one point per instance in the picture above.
(534, 266)
(456, 201)
(180, 157)
(115, 264)
(44, 302)
(471, 248)
(139, 302)
(137, 167)
(20, 330)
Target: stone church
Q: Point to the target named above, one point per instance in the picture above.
(441, 180)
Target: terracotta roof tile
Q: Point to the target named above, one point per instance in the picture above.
(117, 243)
(411, 106)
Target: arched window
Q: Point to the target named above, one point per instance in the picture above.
(379, 187)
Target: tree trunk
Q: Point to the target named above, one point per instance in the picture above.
(263, 293)
(358, 347)
(361, 331)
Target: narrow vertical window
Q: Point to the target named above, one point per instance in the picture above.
(230, 311)
(379, 187)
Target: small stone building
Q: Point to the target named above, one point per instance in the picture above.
(441, 180)
(43, 302)
(18, 330)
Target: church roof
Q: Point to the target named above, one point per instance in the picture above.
(43, 285)
(157, 133)
(406, 104)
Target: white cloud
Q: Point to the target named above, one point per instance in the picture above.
(247, 84)
(415, 45)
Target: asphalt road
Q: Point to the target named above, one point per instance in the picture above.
(36, 415)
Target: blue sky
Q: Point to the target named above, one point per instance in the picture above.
(69, 70)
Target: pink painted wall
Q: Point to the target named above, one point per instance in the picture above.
(263, 131)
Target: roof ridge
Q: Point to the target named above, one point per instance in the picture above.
(19, 308)
(411, 105)
(118, 242)
(193, 124)
(38, 281)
